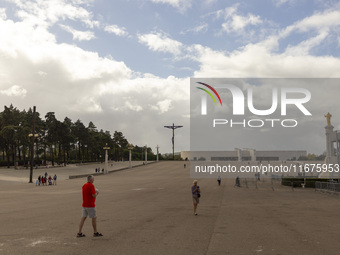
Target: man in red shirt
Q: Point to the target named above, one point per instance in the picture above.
(89, 207)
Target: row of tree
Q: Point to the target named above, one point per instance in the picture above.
(57, 141)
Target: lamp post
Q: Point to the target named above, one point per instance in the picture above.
(86, 157)
(53, 154)
(337, 132)
(37, 150)
(15, 147)
(78, 152)
(157, 152)
(106, 148)
(32, 145)
(32, 136)
(130, 148)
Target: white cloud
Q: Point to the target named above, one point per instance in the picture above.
(317, 22)
(22, 37)
(79, 35)
(240, 22)
(161, 43)
(271, 57)
(14, 91)
(114, 29)
(3, 13)
(133, 107)
(278, 3)
(181, 5)
(39, 46)
(305, 47)
(87, 103)
(163, 106)
(256, 60)
(235, 22)
(47, 13)
(202, 28)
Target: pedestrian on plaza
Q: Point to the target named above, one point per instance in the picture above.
(237, 182)
(55, 179)
(50, 180)
(195, 190)
(219, 180)
(89, 207)
(39, 179)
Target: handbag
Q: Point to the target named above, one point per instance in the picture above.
(198, 194)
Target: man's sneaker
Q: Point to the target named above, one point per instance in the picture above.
(97, 234)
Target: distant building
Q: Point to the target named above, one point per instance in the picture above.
(242, 155)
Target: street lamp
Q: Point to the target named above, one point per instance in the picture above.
(32, 136)
(78, 151)
(86, 157)
(37, 150)
(15, 146)
(337, 132)
(130, 148)
(53, 154)
(32, 145)
(106, 148)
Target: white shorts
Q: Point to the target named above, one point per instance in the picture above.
(195, 199)
(89, 211)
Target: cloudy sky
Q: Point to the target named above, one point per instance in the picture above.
(126, 64)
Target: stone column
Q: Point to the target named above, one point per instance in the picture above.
(130, 148)
(239, 154)
(106, 162)
(329, 143)
(106, 170)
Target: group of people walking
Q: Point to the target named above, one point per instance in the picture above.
(97, 170)
(44, 180)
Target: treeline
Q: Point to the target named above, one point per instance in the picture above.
(58, 142)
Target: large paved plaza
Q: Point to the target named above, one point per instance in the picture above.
(148, 210)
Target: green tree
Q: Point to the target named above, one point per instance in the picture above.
(10, 124)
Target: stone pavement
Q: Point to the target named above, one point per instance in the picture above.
(148, 210)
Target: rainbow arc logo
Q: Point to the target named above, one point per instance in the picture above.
(209, 93)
